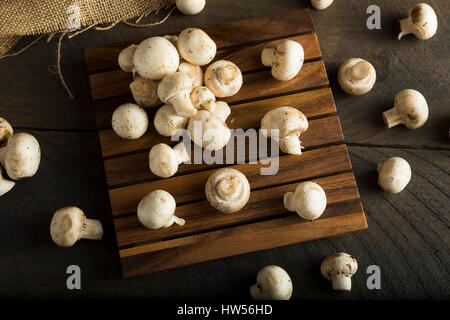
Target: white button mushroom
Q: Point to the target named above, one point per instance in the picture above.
(272, 283)
(70, 225)
(203, 99)
(145, 92)
(394, 174)
(286, 59)
(156, 58)
(421, 21)
(156, 210)
(223, 78)
(194, 72)
(321, 4)
(196, 47)
(21, 156)
(164, 160)
(129, 121)
(290, 124)
(410, 108)
(309, 200)
(125, 59)
(356, 76)
(5, 185)
(175, 89)
(339, 269)
(167, 122)
(209, 130)
(227, 190)
(6, 131)
(190, 7)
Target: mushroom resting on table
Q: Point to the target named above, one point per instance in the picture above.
(6, 131)
(321, 4)
(145, 92)
(5, 185)
(394, 174)
(129, 121)
(190, 7)
(164, 160)
(175, 89)
(410, 108)
(308, 201)
(196, 47)
(422, 22)
(223, 78)
(339, 269)
(286, 59)
(356, 76)
(272, 283)
(167, 121)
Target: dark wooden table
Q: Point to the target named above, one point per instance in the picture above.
(408, 235)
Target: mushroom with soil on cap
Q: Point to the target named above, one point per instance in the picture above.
(145, 92)
(288, 124)
(209, 130)
(5, 185)
(164, 160)
(422, 22)
(157, 210)
(196, 47)
(309, 200)
(394, 174)
(286, 59)
(272, 283)
(194, 72)
(190, 7)
(203, 99)
(410, 109)
(339, 269)
(175, 89)
(356, 76)
(21, 156)
(321, 4)
(227, 190)
(129, 121)
(167, 121)
(223, 78)
(69, 225)
(156, 58)
(6, 131)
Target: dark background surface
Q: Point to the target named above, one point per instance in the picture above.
(408, 233)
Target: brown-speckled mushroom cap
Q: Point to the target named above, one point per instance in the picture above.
(223, 78)
(67, 226)
(273, 283)
(196, 47)
(339, 268)
(130, 121)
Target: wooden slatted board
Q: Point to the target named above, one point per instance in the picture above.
(263, 223)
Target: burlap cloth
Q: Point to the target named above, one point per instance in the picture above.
(32, 17)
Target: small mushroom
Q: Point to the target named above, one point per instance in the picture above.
(203, 99)
(272, 283)
(21, 156)
(339, 269)
(6, 131)
(156, 58)
(196, 47)
(227, 190)
(421, 21)
(5, 185)
(129, 121)
(70, 225)
(209, 130)
(356, 76)
(394, 174)
(175, 89)
(145, 92)
(286, 59)
(223, 78)
(290, 123)
(156, 210)
(194, 72)
(321, 4)
(410, 108)
(164, 160)
(190, 7)
(167, 121)
(125, 59)
(309, 200)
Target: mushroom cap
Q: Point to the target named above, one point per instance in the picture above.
(130, 121)
(163, 160)
(196, 47)
(321, 4)
(310, 200)
(22, 155)
(126, 60)
(145, 92)
(194, 72)
(339, 264)
(167, 122)
(227, 190)
(208, 131)
(394, 174)
(273, 283)
(156, 58)
(223, 78)
(422, 20)
(190, 7)
(356, 76)
(6, 131)
(5, 185)
(287, 60)
(156, 209)
(67, 226)
(203, 98)
(173, 84)
(413, 107)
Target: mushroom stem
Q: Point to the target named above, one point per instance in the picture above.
(404, 28)
(392, 117)
(291, 144)
(92, 230)
(227, 74)
(360, 70)
(181, 152)
(182, 104)
(289, 201)
(5, 185)
(255, 292)
(176, 220)
(342, 282)
(267, 56)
